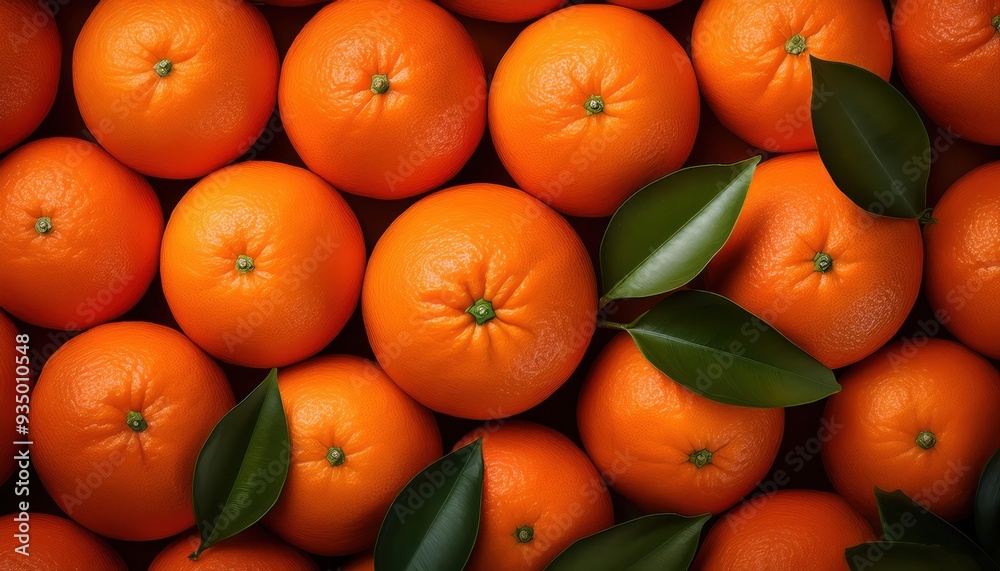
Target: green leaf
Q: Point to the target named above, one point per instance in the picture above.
(229, 493)
(987, 511)
(720, 350)
(667, 232)
(649, 543)
(890, 556)
(870, 138)
(906, 521)
(432, 524)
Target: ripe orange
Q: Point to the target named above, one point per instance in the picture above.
(920, 418)
(383, 98)
(79, 234)
(362, 562)
(666, 448)
(54, 543)
(16, 365)
(645, 4)
(175, 89)
(540, 494)
(509, 11)
(356, 441)
(949, 51)
(590, 104)
(752, 59)
(837, 281)
(963, 262)
(262, 264)
(789, 530)
(479, 301)
(254, 549)
(29, 68)
(118, 417)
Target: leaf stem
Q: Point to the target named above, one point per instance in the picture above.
(613, 325)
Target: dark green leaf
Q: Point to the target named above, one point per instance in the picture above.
(649, 543)
(870, 139)
(229, 493)
(889, 556)
(906, 521)
(667, 232)
(988, 507)
(720, 350)
(432, 524)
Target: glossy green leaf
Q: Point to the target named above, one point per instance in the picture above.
(667, 232)
(893, 556)
(870, 138)
(987, 511)
(649, 543)
(432, 524)
(231, 492)
(720, 350)
(906, 521)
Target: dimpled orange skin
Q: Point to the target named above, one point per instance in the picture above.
(790, 530)
(963, 260)
(645, 4)
(307, 256)
(888, 400)
(948, 53)
(112, 479)
(759, 89)
(793, 212)
(210, 106)
(510, 11)
(535, 477)
(385, 438)
(253, 549)
(642, 428)
(451, 250)
(29, 68)
(9, 374)
(409, 139)
(582, 163)
(101, 250)
(55, 543)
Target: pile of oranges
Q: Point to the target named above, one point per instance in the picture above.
(158, 265)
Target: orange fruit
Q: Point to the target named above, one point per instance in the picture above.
(175, 89)
(590, 104)
(79, 234)
(361, 562)
(479, 301)
(118, 417)
(836, 280)
(262, 264)
(11, 404)
(510, 11)
(540, 494)
(356, 441)
(383, 98)
(963, 262)
(948, 52)
(789, 530)
(919, 416)
(54, 543)
(254, 549)
(666, 448)
(645, 4)
(752, 59)
(29, 68)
